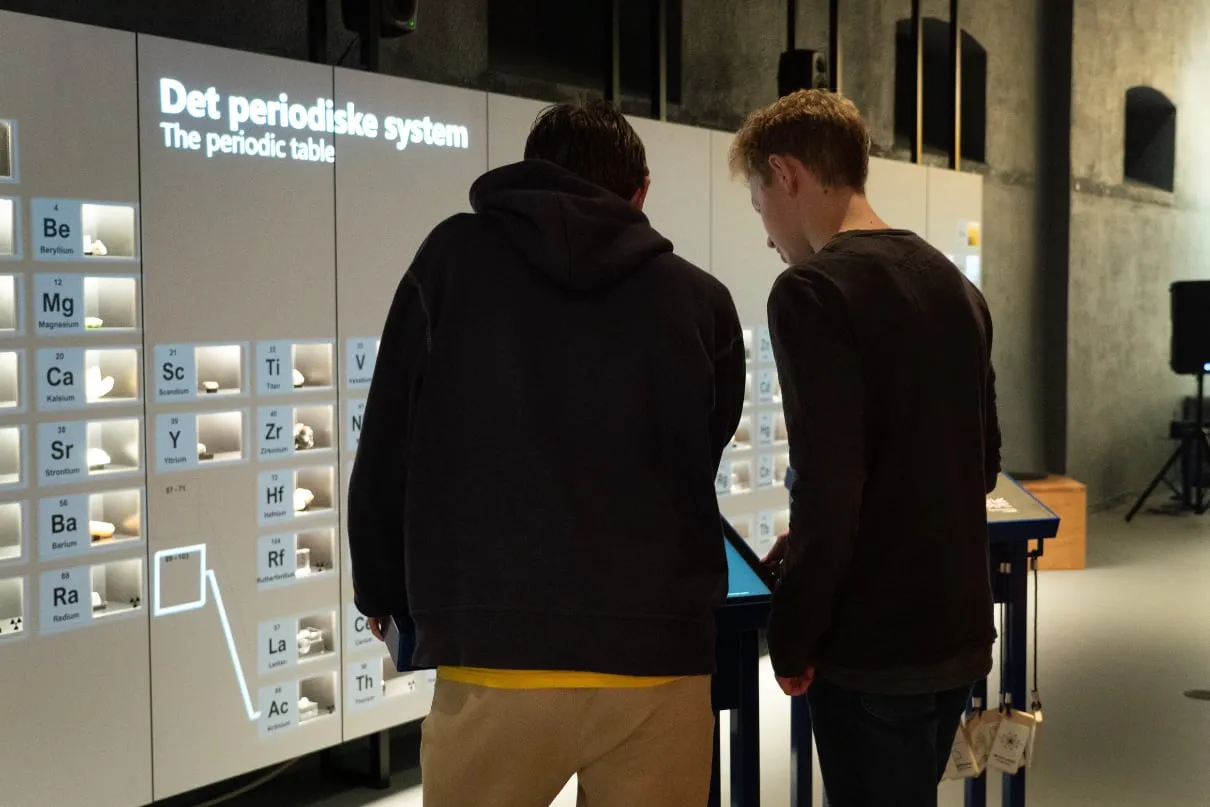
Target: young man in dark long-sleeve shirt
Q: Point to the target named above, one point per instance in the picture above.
(883, 615)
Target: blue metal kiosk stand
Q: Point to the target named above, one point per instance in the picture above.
(1011, 527)
(736, 685)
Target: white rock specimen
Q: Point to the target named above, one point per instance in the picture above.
(100, 530)
(302, 499)
(309, 639)
(93, 322)
(210, 387)
(97, 248)
(307, 709)
(98, 458)
(96, 387)
(97, 602)
(203, 453)
(299, 378)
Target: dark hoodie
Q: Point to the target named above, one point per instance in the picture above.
(534, 482)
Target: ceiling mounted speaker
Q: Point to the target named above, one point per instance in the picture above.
(397, 17)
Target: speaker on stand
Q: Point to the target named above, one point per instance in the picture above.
(1189, 355)
(802, 70)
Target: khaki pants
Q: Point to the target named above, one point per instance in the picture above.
(646, 747)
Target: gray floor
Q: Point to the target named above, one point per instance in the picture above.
(1120, 644)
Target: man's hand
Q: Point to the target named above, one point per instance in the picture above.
(378, 627)
(798, 685)
(777, 555)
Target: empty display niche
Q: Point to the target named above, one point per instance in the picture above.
(9, 230)
(397, 683)
(117, 587)
(316, 697)
(11, 440)
(115, 517)
(314, 427)
(316, 639)
(314, 491)
(10, 305)
(742, 440)
(743, 526)
(111, 375)
(111, 303)
(741, 477)
(109, 231)
(12, 519)
(312, 365)
(114, 446)
(314, 552)
(10, 380)
(220, 437)
(12, 607)
(8, 151)
(219, 369)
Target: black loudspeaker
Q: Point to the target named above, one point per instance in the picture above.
(802, 70)
(1190, 327)
(398, 17)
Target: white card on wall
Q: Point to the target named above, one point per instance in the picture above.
(60, 378)
(276, 560)
(765, 466)
(278, 644)
(363, 683)
(357, 629)
(766, 529)
(58, 304)
(278, 706)
(275, 431)
(58, 229)
(274, 367)
(360, 357)
(175, 372)
(275, 496)
(62, 452)
(63, 526)
(357, 413)
(722, 479)
(176, 442)
(765, 425)
(764, 345)
(66, 599)
(765, 380)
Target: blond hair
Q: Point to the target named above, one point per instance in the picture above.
(821, 129)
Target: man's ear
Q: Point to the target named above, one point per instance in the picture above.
(782, 174)
(640, 196)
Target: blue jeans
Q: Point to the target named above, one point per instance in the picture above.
(883, 750)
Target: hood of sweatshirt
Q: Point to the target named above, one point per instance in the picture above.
(578, 234)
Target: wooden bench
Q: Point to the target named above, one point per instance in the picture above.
(1069, 500)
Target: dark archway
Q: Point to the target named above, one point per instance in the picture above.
(938, 81)
(1150, 138)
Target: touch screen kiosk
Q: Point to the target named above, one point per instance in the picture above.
(736, 686)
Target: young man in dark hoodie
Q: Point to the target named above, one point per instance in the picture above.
(534, 485)
(883, 614)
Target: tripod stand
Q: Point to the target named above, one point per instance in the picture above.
(1195, 438)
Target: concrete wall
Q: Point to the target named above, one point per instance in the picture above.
(1129, 243)
(730, 55)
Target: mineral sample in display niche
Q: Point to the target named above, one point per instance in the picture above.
(95, 247)
(302, 561)
(299, 378)
(303, 498)
(310, 640)
(98, 604)
(307, 709)
(100, 530)
(210, 387)
(97, 387)
(203, 453)
(98, 459)
(92, 323)
(304, 437)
